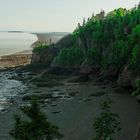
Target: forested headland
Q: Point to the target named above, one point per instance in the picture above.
(107, 44)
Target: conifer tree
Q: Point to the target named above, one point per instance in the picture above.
(107, 124)
(36, 125)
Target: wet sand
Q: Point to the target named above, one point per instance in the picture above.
(17, 59)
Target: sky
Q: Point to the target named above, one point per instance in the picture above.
(53, 15)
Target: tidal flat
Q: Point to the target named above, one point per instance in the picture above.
(72, 106)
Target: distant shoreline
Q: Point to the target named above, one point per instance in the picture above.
(41, 38)
(48, 38)
(24, 57)
(16, 32)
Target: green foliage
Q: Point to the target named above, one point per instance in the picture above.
(107, 124)
(69, 56)
(115, 38)
(35, 126)
(135, 35)
(93, 56)
(120, 54)
(135, 59)
(137, 88)
(136, 32)
(40, 48)
(117, 13)
(111, 41)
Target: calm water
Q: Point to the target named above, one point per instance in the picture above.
(15, 42)
(11, 43)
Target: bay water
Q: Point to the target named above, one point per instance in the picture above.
(10, 43)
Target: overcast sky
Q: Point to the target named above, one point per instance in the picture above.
(52, 15)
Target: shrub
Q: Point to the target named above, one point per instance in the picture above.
(135, 59)
(69, 56)
(35, 126)
(93, 56)
(40, 48)
(107, 124)
(137, 88)
(120, 54)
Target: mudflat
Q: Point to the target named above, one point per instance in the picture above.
(17, 59)
(73, 107)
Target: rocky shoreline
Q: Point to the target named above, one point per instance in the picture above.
(69, 96)
(70, 103)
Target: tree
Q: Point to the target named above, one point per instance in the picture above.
(136, 34)
(107, 124)
(35, 126)
(84, 21)
(137, 88)
(69, 57)
(139, 5)
(135, 59)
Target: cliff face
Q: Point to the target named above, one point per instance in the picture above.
(123, 76)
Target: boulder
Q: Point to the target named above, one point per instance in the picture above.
(86, 69)
(126, 78)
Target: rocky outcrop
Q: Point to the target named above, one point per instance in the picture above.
(48, 53)
(45, 57)
(126, 78)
